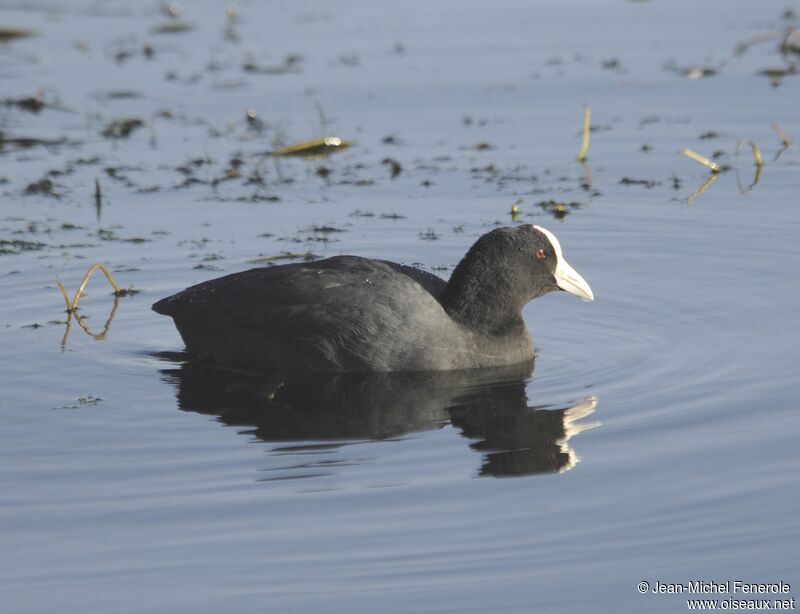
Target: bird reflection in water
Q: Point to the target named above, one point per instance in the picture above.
(313, 411)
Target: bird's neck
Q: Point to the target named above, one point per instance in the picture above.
(482, 298)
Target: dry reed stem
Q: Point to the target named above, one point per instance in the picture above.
(73, 304)
(587, 113)
(709, 180)
(315, 148)
(97, 336)
(756, 152)
(715, 168)
(783, 136)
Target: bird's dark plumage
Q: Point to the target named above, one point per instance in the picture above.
(348, 313)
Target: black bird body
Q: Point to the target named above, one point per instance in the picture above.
(349, 313)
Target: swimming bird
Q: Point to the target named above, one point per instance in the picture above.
(349, 313)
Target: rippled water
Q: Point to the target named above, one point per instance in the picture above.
(655, 439)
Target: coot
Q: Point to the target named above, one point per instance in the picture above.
(349, 313)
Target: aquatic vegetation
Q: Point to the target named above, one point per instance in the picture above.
(43, 186)
(15, 246)
(315, 148)
(8, 34)
(783, 136)
(587, 114)
(756, 151)
(715, 168)
(173, 27)
(558, 210)
(290, 64)
(24, 142)
(32, 104)
(647, 183)
(72, 304)
(121, 128)
(82, 401)
(705, 185)
(304, 256)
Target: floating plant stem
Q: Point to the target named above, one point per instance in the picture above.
(587, 113)
(783, 136)
(756, 152)
(715, 168)
(314, 148)
(98, 198)
(64, 294)
(72, 305)
(758, 160)
(97, 336)
(709, 180)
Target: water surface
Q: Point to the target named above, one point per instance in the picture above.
(655, 439)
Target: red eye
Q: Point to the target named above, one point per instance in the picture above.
(541, 255)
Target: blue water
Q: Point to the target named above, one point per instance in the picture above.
(655, 439)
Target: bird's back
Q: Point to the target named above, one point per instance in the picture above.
(341, 313)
